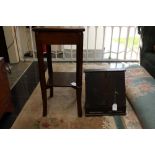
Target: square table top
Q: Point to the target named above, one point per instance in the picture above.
(59, 28)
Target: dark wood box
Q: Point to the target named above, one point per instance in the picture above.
(103, 89)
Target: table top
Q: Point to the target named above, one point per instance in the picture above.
(59, 29)
(110, 67)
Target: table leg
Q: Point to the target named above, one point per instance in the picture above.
(79, 61)
(50, 68)
(78, 96)
(41, 66)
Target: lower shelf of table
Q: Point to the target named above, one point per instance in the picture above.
(62, 79)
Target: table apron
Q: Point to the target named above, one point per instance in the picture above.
(59, 38)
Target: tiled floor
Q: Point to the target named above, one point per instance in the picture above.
(20, 91)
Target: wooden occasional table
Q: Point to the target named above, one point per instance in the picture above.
(59, 35)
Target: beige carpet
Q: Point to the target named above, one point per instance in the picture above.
(62, 111)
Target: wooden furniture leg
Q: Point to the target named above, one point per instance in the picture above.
(41, 66)
(79, 56)
(50, 68)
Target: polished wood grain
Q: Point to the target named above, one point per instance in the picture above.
(59, 28)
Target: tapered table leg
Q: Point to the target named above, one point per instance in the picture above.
(41, 66)
(50, 68)
(79, 63)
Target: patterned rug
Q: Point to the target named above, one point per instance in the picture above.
(62, 111)
(130, 120)
(78, 123)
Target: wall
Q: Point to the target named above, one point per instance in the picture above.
(25, 39)
(11, 44)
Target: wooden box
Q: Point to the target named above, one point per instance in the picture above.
(105, 92)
